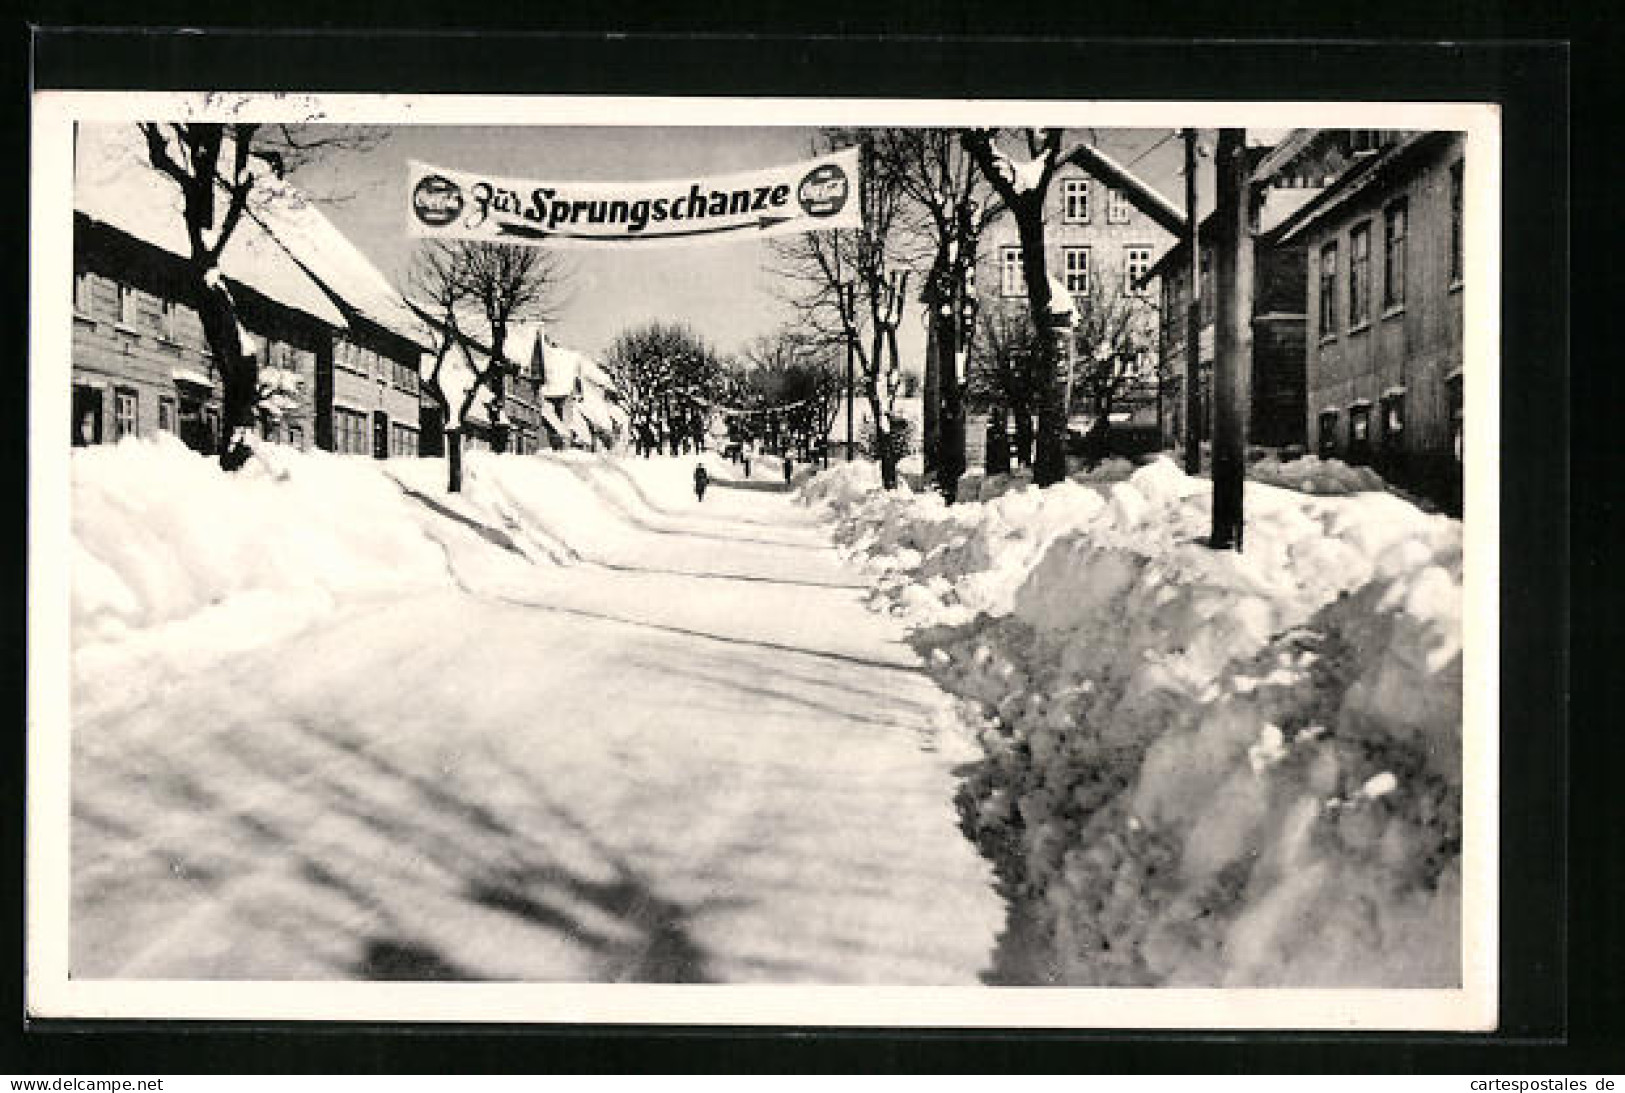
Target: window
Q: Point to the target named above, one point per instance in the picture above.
(1360, 275)
(296, 435)
(127, 306)
(1365, 140)
(1393, 426)
(124, 413)
(87, 415)
(82, 293)
(167, 420)
(1136, 260)
(1075, 200)
(1075, 261)
(403, 441)
(350, 432)
(1455, 223)
(1326, 444)
(1360, 433)
(1393, 258)
(1117, 207)
(1328, 291)
(166, 320)
(1012, 281)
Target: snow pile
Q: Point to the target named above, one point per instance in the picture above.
(1201, 768)
(843, 483)
(1311, 474)
(935, 564)
(162, 538)
(160, 533)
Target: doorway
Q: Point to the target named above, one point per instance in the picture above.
(380, 434)
(87, 415)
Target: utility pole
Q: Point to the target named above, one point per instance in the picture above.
(1193, 316)
(848, 319)
(1235, 215)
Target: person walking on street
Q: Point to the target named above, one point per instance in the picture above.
(787, 465)
(701, 480)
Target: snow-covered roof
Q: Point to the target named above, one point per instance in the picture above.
(560, 367)
(114, 183)
(295, 221)
(551, 418)
(522, 341)
(592, 373)
(596, 409)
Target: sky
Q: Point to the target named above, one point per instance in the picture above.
(727, 292)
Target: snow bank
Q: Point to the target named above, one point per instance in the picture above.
(1200, 768)
(163, 540)
(1311, 474)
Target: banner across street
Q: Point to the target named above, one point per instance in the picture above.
(811, 195)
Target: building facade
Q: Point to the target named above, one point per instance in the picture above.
(1276, 404)
(368, 394)
(330, 334)
(1103, 228)
(1384, 286)
(140, 362)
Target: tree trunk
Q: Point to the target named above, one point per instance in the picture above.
(1023, 413)
(885, 450)
(1049, 463)
(454, 461)
(239, 372)
(951, 429)
(1052, 368)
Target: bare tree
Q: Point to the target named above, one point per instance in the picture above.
(951, 202)
(1006, 382)
(1023, 187)
(668, 378)
(506, 284)
(456, 287)
(218, 167)
(1112, 339)
(848, 287)
(788, 381)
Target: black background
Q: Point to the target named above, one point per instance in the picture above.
(1561, 956)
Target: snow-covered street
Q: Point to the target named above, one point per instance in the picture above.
(688, 753)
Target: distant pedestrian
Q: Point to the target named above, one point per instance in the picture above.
(788, 463)
(746, 459)
(701, 480)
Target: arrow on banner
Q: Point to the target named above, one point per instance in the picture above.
(527, 232)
